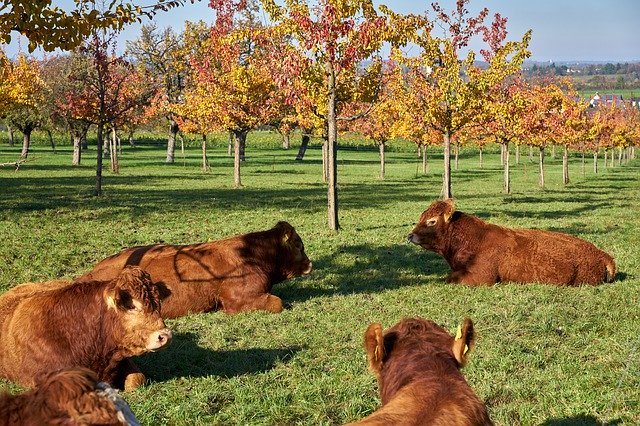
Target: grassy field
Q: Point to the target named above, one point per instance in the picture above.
(544, 355)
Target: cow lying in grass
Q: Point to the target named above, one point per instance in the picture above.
(235, 274)
(418, 367)
(57, 325)
(482, 253)
(66, 397)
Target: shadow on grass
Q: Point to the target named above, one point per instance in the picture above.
(581, 420)
(363, 268)
(185, 358)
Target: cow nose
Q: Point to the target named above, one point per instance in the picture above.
(410, 237)
(163, 338)
(308, 270)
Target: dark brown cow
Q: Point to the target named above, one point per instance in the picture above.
(66, 397)
(235, 274)
(482, 253)
(100, 325)
(418, 367)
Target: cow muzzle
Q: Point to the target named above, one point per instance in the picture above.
(413, 238)
(159, 339)
(308, 270)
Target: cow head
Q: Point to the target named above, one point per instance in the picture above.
(293, 260)
(432, 226)
(134, 299)
(413, 338)
(68, 396)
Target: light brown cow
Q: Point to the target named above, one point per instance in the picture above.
(235, 274)
(66, 397)
(482, 253)
(100, 325)
(418, 368)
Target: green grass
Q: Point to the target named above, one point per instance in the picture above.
(544, 355)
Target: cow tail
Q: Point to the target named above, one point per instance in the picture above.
(610, 271)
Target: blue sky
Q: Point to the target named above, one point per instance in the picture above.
(563, 30)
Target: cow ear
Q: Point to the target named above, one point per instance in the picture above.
(450, 208)
(286, 230)
(463, 342)
(374, 344)
(122, 299)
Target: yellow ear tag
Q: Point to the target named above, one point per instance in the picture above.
(459, 336)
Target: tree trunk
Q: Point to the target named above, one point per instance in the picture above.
(303, 146)
(332, 151)
(171, 143)
(595, 161)
(98, 190)
(131, 141)
(506, 187)
(619, 156)
(381, 148)
(425, 160)
(239, 136)
(553, 151)
(541, 181)
(325, 162)
(501, 155)
(565, 165)
(531, 153)
(77, 151)
(606, 156)
(583, 164)
(205, 160)
(11, 138)
(83, 141)
(518, 153)
(446, 179)
(457, 154)
(286, 143)
(231, 143)
(26, 142)
(243, 146)
(51, 141)
(113, 151)
(480, 156)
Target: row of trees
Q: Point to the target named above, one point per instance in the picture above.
(318, 67)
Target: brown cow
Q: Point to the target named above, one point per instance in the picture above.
(66, 397)
(235, 274)
(418, 368)
(482, 253)
(56, 325)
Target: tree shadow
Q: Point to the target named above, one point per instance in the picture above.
(580, 420)
(362, 268)
(186, 358)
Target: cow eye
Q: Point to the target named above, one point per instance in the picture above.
(432, 221)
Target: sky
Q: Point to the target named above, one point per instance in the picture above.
(563, 30)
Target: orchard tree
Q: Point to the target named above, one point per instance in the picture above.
(51, 27)
(110, 88)
(450, 90)
(163, 54)
(25, 99)
(334, 38)
(232, 84)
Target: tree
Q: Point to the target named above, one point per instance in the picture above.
(232, 84)
(452, 91)
(333, 38)
(24, 98)
(50, 27)
(164, 56)
(110, 88)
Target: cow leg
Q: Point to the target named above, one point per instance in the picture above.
(131, 376)
(264, 302)
(470, 278)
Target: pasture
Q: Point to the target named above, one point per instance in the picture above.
(544, 355)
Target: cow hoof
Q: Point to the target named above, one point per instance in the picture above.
(133, 381)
